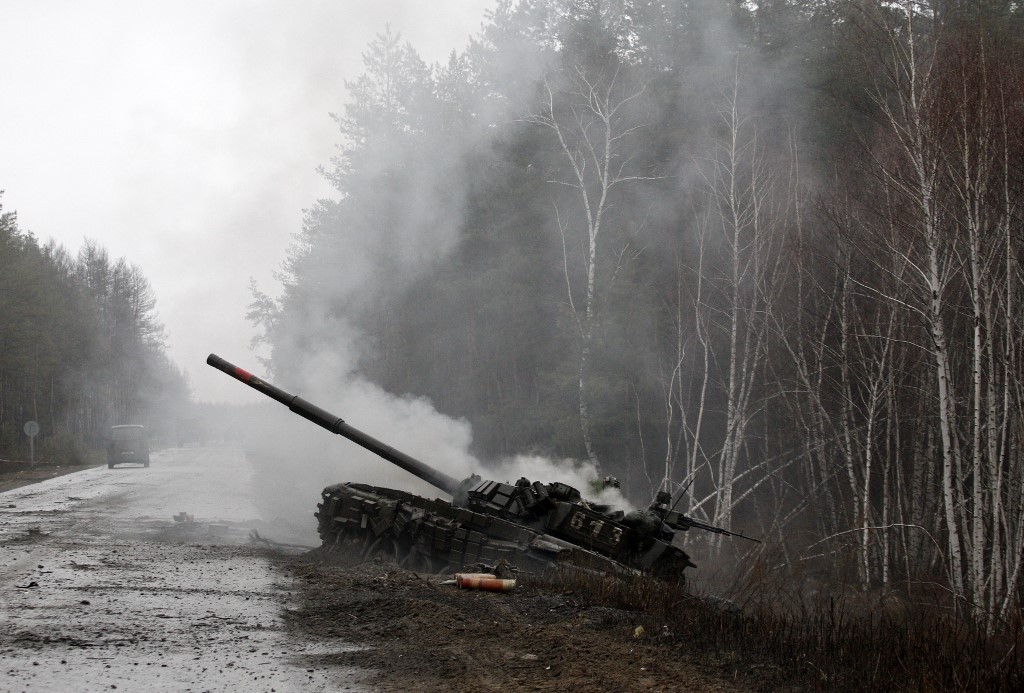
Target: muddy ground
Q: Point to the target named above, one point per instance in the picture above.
(419, 634)
(103, 589)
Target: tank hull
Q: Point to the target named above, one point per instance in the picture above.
(435, 535)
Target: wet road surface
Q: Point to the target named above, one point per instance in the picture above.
(104, 588)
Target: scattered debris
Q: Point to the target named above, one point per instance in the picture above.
(257, 538)
(502, 569)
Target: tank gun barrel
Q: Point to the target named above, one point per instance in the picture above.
(337, 425)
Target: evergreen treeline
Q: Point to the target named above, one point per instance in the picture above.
(80, 348)
(768, 252)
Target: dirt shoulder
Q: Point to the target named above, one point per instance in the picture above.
(15, 473)
(418, 634)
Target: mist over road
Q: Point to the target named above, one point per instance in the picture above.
(102, 588)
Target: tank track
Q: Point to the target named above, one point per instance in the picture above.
(436, 536)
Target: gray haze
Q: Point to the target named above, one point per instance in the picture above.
(318, 349)
(185, 136)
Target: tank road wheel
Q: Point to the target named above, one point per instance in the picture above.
(385, 547)
(332, 546)
(420, 562)
(408, 562)
(402, 551)
(367, 543)
(399, 549)
(370, 547)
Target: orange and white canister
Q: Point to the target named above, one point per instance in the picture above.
(483, 581)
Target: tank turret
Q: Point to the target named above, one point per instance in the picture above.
(528, 524)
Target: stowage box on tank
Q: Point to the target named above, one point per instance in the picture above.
(530, 525)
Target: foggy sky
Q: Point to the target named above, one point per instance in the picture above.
(185, 137)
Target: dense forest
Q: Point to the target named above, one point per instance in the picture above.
(81, 348)
(766, 255)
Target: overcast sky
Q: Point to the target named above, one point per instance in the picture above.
(184, 136)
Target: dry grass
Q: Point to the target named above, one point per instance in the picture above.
(822, 639)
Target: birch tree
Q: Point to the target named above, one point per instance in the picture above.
(946, 162)
(589, 112)
(979, 174)
(740, 190)
(904, 92)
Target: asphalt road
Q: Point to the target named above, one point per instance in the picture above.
(104, 588)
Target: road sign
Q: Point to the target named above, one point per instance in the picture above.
(32, 430)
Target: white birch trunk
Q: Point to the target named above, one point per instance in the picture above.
(589, 105)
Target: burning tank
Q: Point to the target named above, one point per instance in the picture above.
(531, 526)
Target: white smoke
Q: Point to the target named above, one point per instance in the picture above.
(581, 475)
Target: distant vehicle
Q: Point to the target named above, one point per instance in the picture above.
(127, 444)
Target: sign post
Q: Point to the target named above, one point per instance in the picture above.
(32, 430)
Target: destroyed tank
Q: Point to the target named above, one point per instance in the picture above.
(530, 526)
